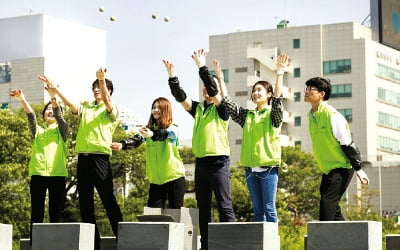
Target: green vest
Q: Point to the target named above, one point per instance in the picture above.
(95, 130)
(209, 133)
(327, 150)
(49, 152)
(260, 141)
(163, 162)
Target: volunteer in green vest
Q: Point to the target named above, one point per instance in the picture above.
(98, 121)
(47, 165)
(260, 153)
(210, 146)
(336, 153)
(164, 166)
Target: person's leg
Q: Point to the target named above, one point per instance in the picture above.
(253, 184)
(85, 172)
(331, 188)
(269, 186)
(157, 196)
(176, 192)
(347, 174)
(203, 197)
(38, 189)
(105, 189)
(220, 180)
(56, 197)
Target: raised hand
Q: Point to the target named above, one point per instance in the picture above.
(218, 70)
(101, 74)
(170, 68)
(17, 94)
(199, 58)
(282, 64)
(50, 86)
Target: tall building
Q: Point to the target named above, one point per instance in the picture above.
(365, 75)
(69, 53)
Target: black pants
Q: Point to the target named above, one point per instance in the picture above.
(212, 174)
(94, 171)
(333, 186)
(38, 188)
(173, 190)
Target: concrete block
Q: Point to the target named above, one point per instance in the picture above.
(393, 242)
(188, 216)
(6, 231)
(150, 235)
(243, 235)
(24, 244)
(62, 236)
(108, 243)
(354, 235)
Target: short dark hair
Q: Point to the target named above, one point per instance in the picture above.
(322, 84)
(109, 85)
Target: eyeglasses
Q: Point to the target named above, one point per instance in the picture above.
(309, 88)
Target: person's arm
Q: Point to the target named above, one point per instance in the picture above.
(349, 147)
(161, 134)
(57, 112)
(237, 113)
(176, 90)
(49, 85)
(282, 63)
(104, 92)
(131, 142)
(32, 122)
(199, 57)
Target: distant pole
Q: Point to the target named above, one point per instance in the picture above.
(379, 159)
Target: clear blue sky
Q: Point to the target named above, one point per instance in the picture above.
(136, 43)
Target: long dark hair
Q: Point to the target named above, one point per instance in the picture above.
(165, 114)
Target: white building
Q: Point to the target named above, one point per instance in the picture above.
(130, 121)
(365, 76)
(68, 53)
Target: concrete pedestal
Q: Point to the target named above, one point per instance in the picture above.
(393, 242)
(354, 235)
(243, 235)
(188, 216)
(150, 235)
(62, 236)
(6, 231)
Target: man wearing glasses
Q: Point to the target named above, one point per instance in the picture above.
(336, 153)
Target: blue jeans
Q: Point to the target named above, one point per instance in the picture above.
(262, 187)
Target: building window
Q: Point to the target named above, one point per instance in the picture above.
(238, 141)
(297, 144)
(388, 72)
(297, 96)
(341, 90)
(389, 120)
(296, 72)
(241, 70)
(241, 93)
(296, 43)
(338, 66)
(5, 72)
(225, 72)
(297, 121)
(389, 96)
(389, 144)
(347, 113)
